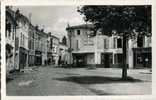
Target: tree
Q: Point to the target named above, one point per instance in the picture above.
(124, 21)
(64, 40)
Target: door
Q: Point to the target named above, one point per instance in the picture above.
(106, 60)
(79, 60)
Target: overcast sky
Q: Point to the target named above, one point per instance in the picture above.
(53, 18)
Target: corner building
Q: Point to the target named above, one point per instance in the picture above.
(98, 50)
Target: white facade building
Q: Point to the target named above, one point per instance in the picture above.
(105, 50)
(93, 50)
(22, 48)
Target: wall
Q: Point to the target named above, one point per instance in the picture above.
(94, 44)
(84, 43)
(132, 43)
(23, 35)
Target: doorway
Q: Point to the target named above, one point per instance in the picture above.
(106, 59)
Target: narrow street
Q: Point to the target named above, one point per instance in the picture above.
(46, 81)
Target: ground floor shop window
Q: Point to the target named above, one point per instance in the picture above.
(117, 58)
(142, 59)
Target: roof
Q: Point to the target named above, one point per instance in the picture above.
(82, 26)
(20, 17)
(54, 36)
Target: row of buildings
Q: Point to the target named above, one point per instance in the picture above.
(28, 45)
(106, 51)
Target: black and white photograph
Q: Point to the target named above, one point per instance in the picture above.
(78, 50)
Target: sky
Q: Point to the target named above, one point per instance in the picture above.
(53, 18)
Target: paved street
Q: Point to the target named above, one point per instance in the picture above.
(46, 81)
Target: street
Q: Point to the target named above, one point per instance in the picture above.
(50, 81)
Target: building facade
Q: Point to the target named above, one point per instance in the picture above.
(102, 50)
(140, 52)
(93, 50)
(63, 53)
(22, 39)
(49, 49)
(44, 46)
(55, 49)
(40, 46)
(10, 39)
(52, 49)
(26, 44)
(31, 45)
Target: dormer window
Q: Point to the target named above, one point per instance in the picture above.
(78, 32)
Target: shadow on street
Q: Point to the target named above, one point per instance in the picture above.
(96, 79)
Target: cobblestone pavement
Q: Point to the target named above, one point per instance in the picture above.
(45, 81)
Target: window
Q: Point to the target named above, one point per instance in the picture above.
(77, 44)
(29, 44)
(117, 58)
(8, 28)
(119, 43)
(140, 41)
(105, 44)
(114, 43)
(51, 43)
(21, 39)
(16, 43)
(78, 32)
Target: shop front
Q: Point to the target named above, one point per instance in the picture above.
(38, 58)
(49, 58)
(31, 59)
(83, 59)
(23, 54)
(142, 57)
